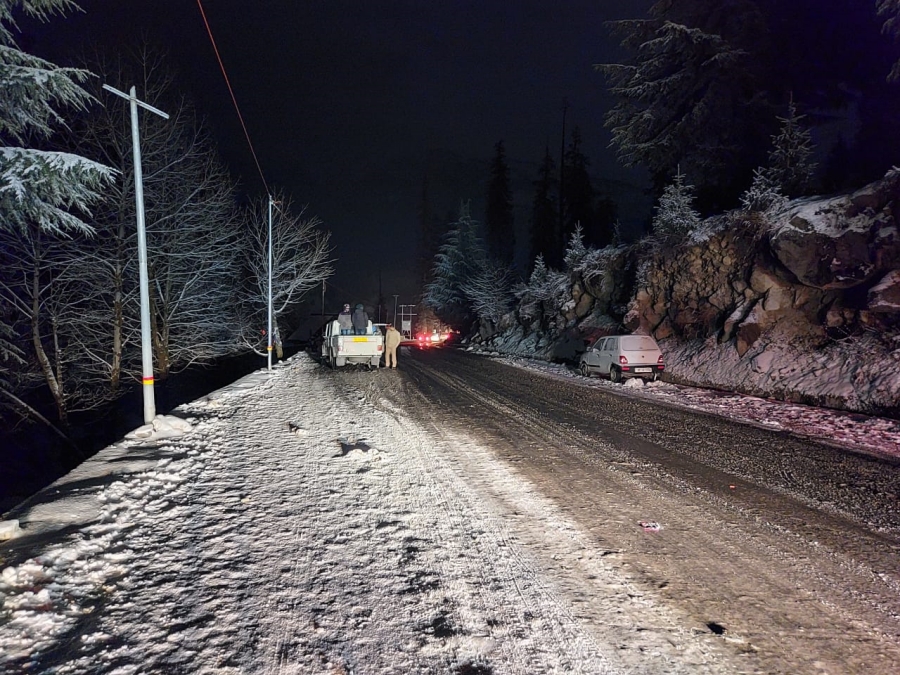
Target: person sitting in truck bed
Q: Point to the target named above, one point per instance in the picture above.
(360, 320)
(345, 321)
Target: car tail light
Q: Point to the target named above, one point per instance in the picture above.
(659, 362)
(622, 360)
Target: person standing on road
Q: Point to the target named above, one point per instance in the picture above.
(345, 322)
(360, 320)
(392, 340)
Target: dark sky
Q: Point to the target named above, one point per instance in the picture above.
(350, 103)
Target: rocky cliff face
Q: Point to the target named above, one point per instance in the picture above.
(803, 304)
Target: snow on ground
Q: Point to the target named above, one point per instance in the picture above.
(299, 527)
(853, 431)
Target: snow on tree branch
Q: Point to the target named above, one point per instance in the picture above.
(44, 188)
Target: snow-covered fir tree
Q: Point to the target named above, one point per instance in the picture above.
(764, 194)
(38, 188)
(689, 92)
(675, 214)
(576, 250)
(460, 258)
(790, 165)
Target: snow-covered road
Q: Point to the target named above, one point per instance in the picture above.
(299, 529)
(309, 524)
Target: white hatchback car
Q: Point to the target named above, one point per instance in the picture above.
(621, 356)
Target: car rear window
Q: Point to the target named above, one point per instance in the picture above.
(639, 343)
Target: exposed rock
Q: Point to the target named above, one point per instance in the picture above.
(844, 241)
(884, 297)
(752, 305)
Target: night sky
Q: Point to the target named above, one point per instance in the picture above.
(350, 104)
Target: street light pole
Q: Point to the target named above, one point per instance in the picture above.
(146, 344)
(395, 310)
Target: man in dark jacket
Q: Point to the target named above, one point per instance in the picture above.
(345, 320)
(360, 320)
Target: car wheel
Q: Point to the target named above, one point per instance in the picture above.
(331, 361)
(615, 375)
(585, 370)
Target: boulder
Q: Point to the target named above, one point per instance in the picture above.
(841, 242)
(884, 297)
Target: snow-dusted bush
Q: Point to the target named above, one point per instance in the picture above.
(489, 292)
(764, 194)
(596, 262)
(545, 285)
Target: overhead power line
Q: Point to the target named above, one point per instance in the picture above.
(233, 99)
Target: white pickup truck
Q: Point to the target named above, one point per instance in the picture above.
(339, 350)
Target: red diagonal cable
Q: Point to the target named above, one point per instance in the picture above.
(233, 99)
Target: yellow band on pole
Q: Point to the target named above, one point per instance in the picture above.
(268, 349)
(148, 380)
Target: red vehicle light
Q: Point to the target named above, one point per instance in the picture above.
(623, 360)
(659, 362)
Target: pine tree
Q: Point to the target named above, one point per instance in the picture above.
(460, 258)
(580, 195)
(675, 216)
(576, 251)
(544, 217)
(689, 94)
(790, 167)
(499, 211)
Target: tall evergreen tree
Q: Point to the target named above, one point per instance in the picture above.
(544, 217)
(498, 219)
(581, 198)
(41, 192)
(690, 94)
(460, 259)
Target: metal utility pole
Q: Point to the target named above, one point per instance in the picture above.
(146, 344)
(395, 309)
(269, 310)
